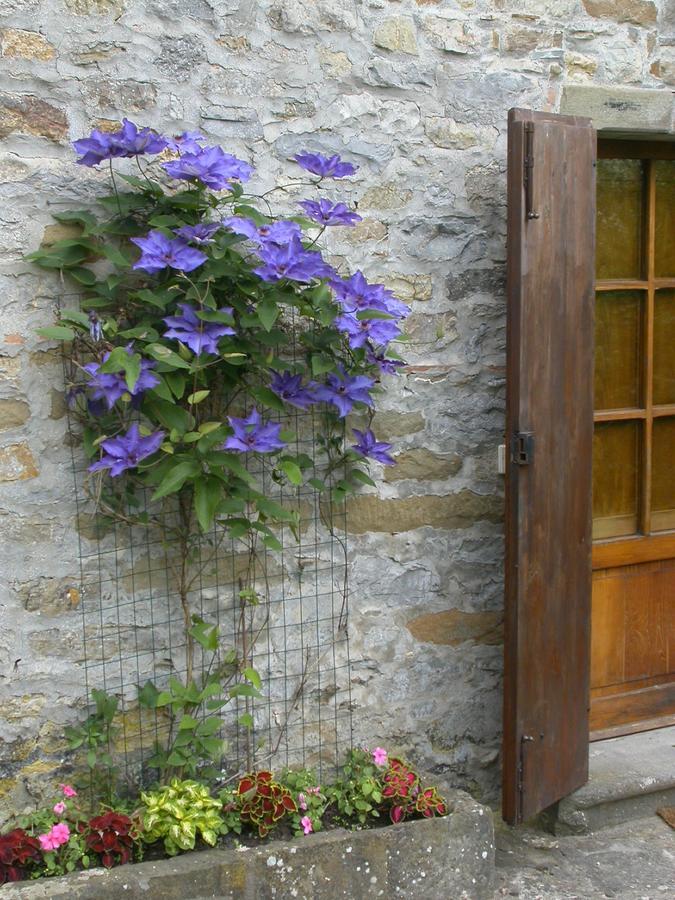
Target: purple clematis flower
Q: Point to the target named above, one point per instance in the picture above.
(198, 335)
(355, 294)
(274, 233)
(291, 261)
(325, 166)
(289, 388)
(325, 212)
(358, 331)
(211, 166)
(343, 391)
(187, 142)
(251, 434)
(127, 450)
(111, 386)
(129, 141)
(367, 446)
(199, 234)
(385, 365)
(160, 252)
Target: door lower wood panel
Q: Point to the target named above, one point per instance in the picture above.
(633, 644)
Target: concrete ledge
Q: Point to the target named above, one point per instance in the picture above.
(432, 859)
(620, 108)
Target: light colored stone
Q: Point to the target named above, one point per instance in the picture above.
(397, 33)
(96, 7)
(334, 63)
(25, 45)
(453, 36)
(447, 133)
(454, 626)
(577, 64)
(638, 12)
(13, 414)
(391, 195)
(17, 463)
(409, 288)
(388, 425)
(620, 108)
(367, 230)
(28, 114)
(423, 465)
(369, 513)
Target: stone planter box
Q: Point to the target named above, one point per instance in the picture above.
(434, 859)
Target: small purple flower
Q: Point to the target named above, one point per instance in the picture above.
(111, 386)
(343, 391)
(95, 148)
(325, 166)
(199, 234)
(289, 388)
(325, 212)
(160, 252)
(274, 233)
(129, 141)
(187, 142)
(385, 365)
(355, 294)
(291, 261)
(198, 335)
(367, 446)
(214, 168)
(127, 450)
(378, 331)
(251, 434)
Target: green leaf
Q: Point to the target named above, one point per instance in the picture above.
(187, 722)
(322, 364)
(291, 471)
(208, 726)
(268, 313)
(84, 276)
(252, 676)
(170, 415)
(246, 720)
(206, 636)
(115, 255)
(358, 475)
(80, 216)
(268, 398)
(208, 491)
(57, 332)
(244, 690)
(176, 382)
(75, 316)
(175, 478)
(198, 396)
(272, 543)
(165, 355)
(148, 694)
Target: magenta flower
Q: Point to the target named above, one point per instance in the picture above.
(160, 252)
(325, 212)
(378, 331)
(55, 837)
(214, 168)
(198, 335)
(252, 435)
(124, 452)
(199, 234)
(306, 823)
(289, 388)
(302, 801)
(59, 808)
(380, 755)
(291, 261)
(324, 166)
(68, 791)
(343, 391)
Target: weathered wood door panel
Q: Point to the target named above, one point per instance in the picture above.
(551, 229)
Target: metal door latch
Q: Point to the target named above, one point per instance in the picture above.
(522, 448)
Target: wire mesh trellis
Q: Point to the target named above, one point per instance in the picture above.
(282, 612)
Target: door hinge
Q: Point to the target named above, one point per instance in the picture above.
(528, 172)
(525, 739)
(522, 448)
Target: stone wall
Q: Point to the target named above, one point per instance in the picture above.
(416, 92)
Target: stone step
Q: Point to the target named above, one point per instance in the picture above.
(630, 778)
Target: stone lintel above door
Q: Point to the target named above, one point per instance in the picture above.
(621, 109)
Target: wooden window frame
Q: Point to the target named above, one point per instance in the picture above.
(646, 545)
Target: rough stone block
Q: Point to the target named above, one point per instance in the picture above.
(397, 33)
(409, 287)
(369, 512)
(637, 12)
(17, 463)
(25, 45)
(27, 114)
(454, 626)
(13, 414)
(423, 465)
(619, 108)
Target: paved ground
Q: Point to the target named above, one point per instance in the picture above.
(632, 861)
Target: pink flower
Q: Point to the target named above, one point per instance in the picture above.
(306, 823)
(57, 835)
(302, 801)
(314, 790)
(59, 808)
(68, 791)
(380, 756)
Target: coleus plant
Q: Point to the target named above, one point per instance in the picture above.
(111, 836)
(263, 802)
(18, 852)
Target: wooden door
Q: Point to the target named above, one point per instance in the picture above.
(551, 221)
(633, 606)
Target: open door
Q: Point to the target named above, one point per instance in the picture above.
(549, 433)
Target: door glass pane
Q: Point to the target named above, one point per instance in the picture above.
(664, 347)
(619, 220)
(664, 249)
(618, 330)
(615, 478)
(663, 474)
